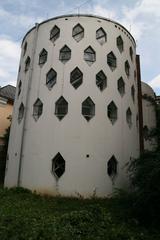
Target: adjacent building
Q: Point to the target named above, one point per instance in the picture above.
(149, 116)
(158, 100)
(7, 95)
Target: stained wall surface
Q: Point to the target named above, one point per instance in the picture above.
(85, 145)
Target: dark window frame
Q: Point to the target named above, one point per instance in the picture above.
(61, 108)
(76, 78)
(37, 109)
(89, 55)
(127, 68)
(112, 167)
(131, 53)
(121, 86)
(112, 61)
(56, 35)
(101, 80)
(88, 109)
(43, 57)
(99, 37)
(27, 64)
(51, 78)
(19, 88)
(58, 166)
(129, 117)
(120, 44)
(80, 33)
(21, 112)
(25, 48)
(65, 54)
(112, 112)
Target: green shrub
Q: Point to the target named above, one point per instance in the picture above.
(27, 216)
(145, 177)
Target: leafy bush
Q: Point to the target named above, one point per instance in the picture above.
(3, 155)
(27, 216)
(145, 177)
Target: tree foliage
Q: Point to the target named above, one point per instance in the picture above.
(27, 216)
(145, 177)
(144, 174)
(6, 140)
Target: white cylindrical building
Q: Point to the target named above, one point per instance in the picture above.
(149, 116)
(75, 115)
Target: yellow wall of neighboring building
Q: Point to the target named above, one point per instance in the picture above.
(5, 112)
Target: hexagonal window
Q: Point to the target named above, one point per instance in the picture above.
(89, 55)
(145, 133)
(121, 86)
(20, 113)
(133, 93)
(112, 61)
(54, 33)
(101, 80)
(19, 69)
(135, 75)
(112, 112)
(120, 44)
(27, 64)
(112, 167)
(51, 78)
(101, 36)
(37, 109)
(131, 53)
(65, 54)
(88, 109)
(25, 49)
(76, 78)
(78, 32)
(58, 165)
(61, 108)
(19, 87)
(127, 68)
(129, 117)
(43, 57)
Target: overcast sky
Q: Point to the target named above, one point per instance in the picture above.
(140, 17)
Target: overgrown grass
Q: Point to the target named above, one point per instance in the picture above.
(27, 216)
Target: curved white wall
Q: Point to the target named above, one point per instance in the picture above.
(38, 142)
(149, 115)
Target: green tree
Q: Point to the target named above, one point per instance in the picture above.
(144, 174)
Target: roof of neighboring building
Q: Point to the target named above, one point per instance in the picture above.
(8, 92)
(147, 89)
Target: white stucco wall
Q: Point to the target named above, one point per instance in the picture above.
(73, 137)
(149, 114)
